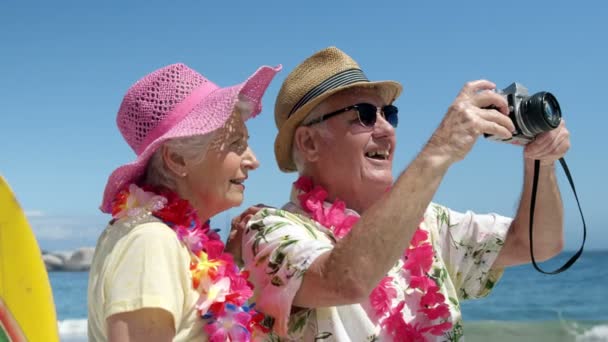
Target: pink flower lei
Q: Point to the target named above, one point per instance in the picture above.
(418, 261)
(224, 290)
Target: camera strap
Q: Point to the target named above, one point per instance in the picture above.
(575, 257)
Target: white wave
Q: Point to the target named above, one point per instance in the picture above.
(598, 333)
(72, 330)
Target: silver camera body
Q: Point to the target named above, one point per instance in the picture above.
(531, 115)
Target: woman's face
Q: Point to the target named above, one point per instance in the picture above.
(217, 182)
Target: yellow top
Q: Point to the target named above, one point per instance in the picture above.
(142, 264)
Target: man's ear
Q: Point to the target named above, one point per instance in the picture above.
(173, 161)
(307, 142)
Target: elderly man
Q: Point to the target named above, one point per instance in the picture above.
(356, 256)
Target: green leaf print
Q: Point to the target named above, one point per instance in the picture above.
(307, 224)
(296, 219)
(256, 245)
(272, 337)
(298, 321)
(439, 275)
(463, 294)
(274, 226)
(457, 332)
(278, 255)
(262, 232)
(442, 215)
(256, 226)
(265, 212)
(286, 241)
(499, 242)
(477, 254)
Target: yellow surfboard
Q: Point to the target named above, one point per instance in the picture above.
(27, 310)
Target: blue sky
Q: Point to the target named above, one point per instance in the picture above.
(64, 67)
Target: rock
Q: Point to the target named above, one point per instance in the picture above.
(63, 255)
(80, 260)
(52, 262)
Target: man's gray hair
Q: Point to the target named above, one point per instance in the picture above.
(323, 131)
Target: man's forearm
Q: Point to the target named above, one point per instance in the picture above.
(548, 214)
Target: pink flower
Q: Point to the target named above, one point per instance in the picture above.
(419, 260)
(312, 199)
(135, 201)
(303, 184)
(334, 215)
(440, 311)
(438, 329)
(421, 282)
(342, 229)
(214, 248)
(419, 237)
(313, 202)
(212, 234)
(394, 322)
(192, 238)
(336, 218)
(433, 304)
(231, 326)
(212, 292)
(399, 329)
(382, 295)
(240, 289)
(432, 297)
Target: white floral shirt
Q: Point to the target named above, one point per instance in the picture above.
(280, 245)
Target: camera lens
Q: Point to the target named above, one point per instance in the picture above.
(540, 113)
(552, 112)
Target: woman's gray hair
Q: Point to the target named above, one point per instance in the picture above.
(192, 149)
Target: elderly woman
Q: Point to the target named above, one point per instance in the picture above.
(159, 272)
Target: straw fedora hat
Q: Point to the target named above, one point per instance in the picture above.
(314, 80)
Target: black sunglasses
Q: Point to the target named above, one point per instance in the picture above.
(367, 114)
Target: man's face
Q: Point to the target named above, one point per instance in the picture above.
(356, 161)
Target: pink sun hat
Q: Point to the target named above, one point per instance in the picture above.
(174, 102)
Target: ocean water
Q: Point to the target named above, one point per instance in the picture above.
(524, 306)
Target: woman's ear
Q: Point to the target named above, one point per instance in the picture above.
(173, 161)
(307, 143)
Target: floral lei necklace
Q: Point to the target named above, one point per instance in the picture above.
(432, 313)
(224, 290)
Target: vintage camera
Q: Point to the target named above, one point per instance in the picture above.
(531, 115)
